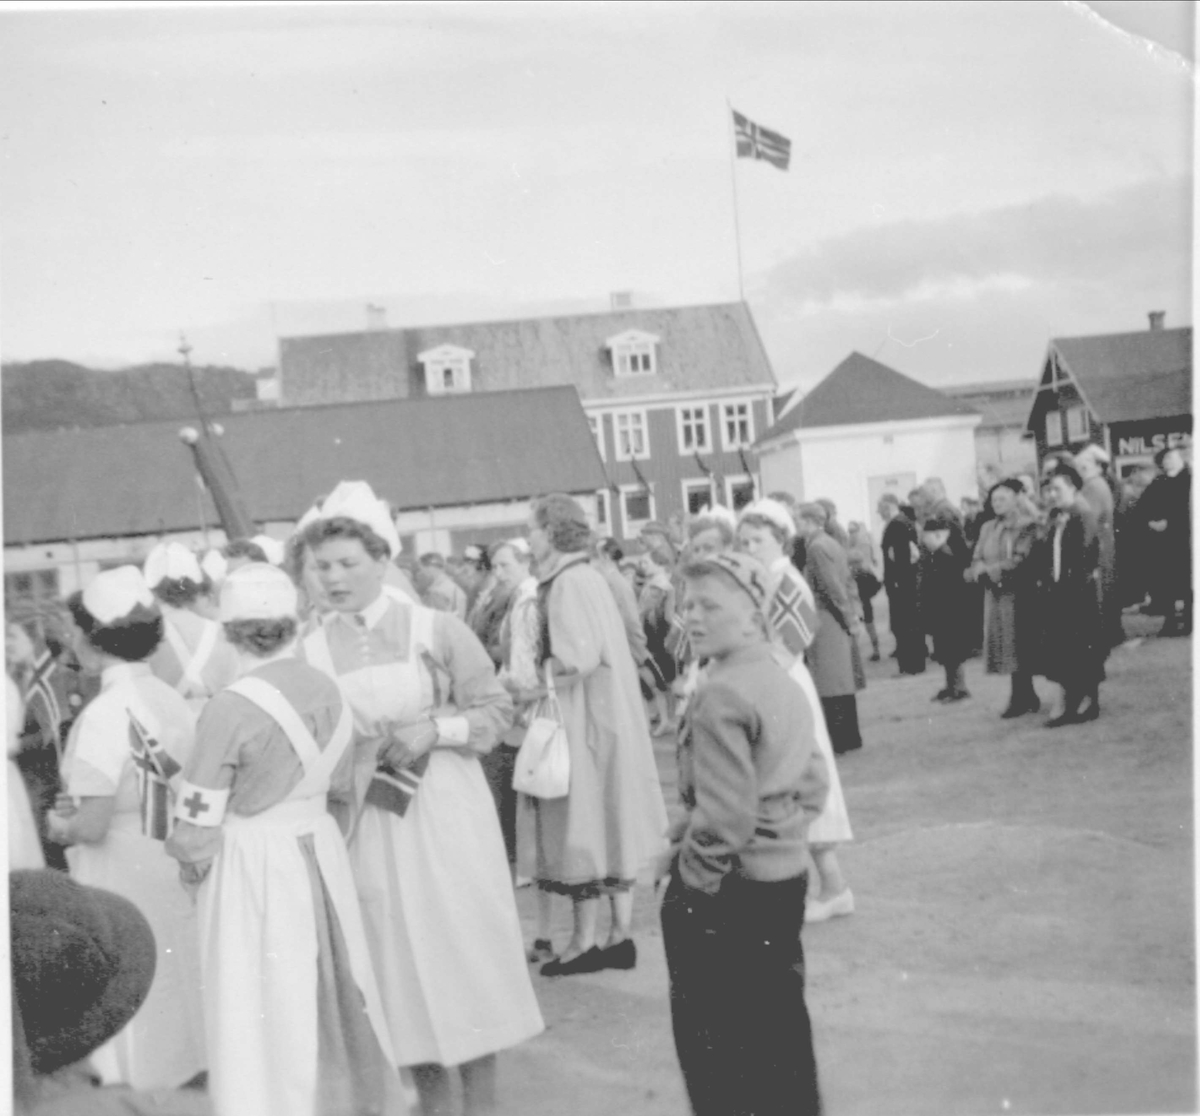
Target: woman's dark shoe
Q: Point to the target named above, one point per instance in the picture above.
(541, 950)
(623, 955)
(958, 695)
(1067, 717)
(942, 695)
(592, 961)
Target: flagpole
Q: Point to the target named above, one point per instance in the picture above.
(737, 231)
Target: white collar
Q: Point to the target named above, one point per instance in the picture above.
(780, 563)
(121, 673)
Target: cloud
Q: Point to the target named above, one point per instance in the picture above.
(1125, 237)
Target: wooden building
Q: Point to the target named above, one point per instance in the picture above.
(1129, 392)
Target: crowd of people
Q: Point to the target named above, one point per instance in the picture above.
(296, 761)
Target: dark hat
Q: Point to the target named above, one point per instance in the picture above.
(938, 523)
(748, 573)
(82, 964)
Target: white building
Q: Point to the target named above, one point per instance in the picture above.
(864, 430)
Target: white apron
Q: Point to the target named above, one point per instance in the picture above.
(259, 939)
(191, 684)
(435, 887)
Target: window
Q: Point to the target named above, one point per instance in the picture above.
(1077, 424)
(739, 491)
(693, 429)
(596, 422)
(447, 369)
(1054, 433)
(637, 509)
(737, 425)
(603, 515)
(630, 430)
(633, 353)
(30, 587)
(697, 495)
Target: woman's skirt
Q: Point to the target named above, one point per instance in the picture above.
(441, 919)
(832, 825)
(162, 1046)
(294, 1019)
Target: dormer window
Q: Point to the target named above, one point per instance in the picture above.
(447, 369)
(633, 353)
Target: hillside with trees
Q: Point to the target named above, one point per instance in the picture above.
(51, 394)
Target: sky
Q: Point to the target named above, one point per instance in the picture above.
(968, 180)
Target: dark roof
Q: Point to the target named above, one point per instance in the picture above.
(140, 479)
(1130, 376)
(702, 348)
(861, 390)
(1002, 403)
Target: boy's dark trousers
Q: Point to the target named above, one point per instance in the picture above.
(736, 969)
(955, 682)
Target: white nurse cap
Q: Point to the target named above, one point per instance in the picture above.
(258, 591)
(114, 594)
(171, 561)
(356, 500)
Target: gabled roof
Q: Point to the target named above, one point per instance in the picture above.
(699, 348)
(1130, 376)
(861, 390)
(139, 479)
(1004, 404)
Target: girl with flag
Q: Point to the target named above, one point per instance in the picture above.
(287, 972)
(426, 847)
(121, 772)
(765, 532)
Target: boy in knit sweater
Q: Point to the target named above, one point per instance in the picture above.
(751, 780)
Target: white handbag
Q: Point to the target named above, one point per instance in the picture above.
(543, 764)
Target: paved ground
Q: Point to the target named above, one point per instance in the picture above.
(1024, 941)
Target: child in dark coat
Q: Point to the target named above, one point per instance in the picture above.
(947, 606)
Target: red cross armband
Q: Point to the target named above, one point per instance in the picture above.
(201, 805)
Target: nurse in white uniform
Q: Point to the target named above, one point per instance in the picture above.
(427, 850)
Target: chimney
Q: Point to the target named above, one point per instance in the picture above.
(376, 316)
(621, 300)
(1156, 320)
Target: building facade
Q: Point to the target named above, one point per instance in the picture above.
(78, 501)
(864, 430)
(1129, 392)
(675, 398)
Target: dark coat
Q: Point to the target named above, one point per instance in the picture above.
(1168, 552)
(900, 581)
(947, 604)
(1072, 646)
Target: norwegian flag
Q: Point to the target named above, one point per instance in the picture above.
(755, 142)
(156, 767)
(677, 642)
(792, 616)
(392, 788)
(41, 698)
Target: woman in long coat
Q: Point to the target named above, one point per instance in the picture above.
(833, 658)
(1165, 511)
(1073, 650)
(1009, 630)
(426, 848)
(900, 557)
(1092, 463)
(613, 823)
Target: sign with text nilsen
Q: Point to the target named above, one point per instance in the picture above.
(1145, 439)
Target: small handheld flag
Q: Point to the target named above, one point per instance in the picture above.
(392, 788)
(756, 142)
(793, 618)
(41, 698)
(156, 767)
